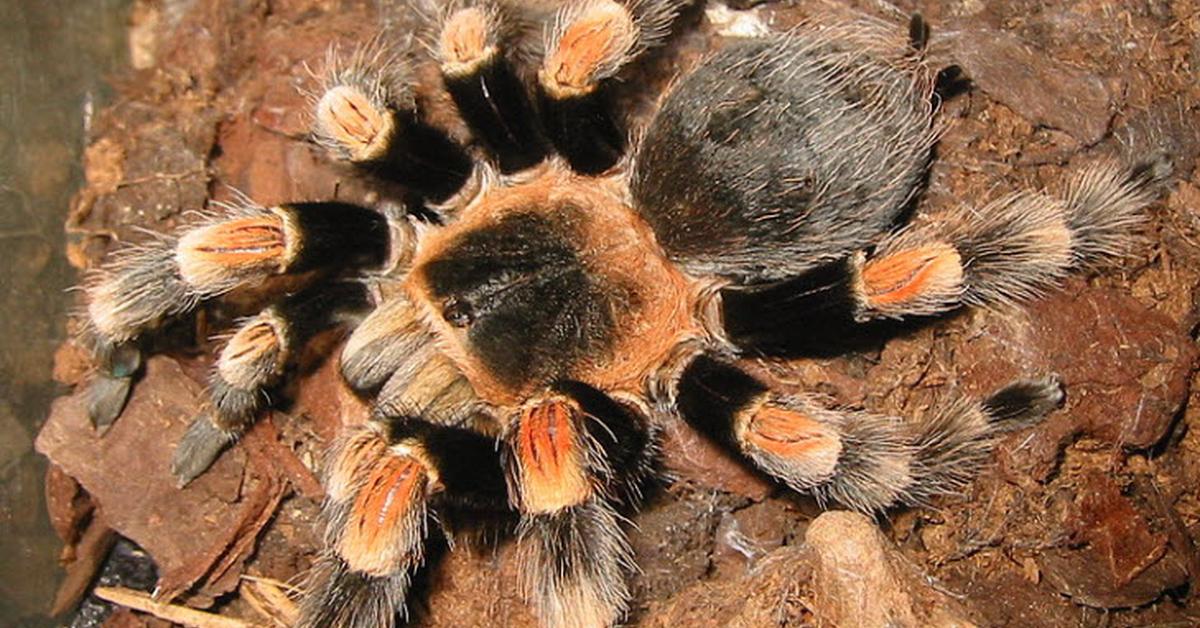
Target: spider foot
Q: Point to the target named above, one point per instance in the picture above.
(106, 399)
(1024, 402)
(109, 390)
(198, 449)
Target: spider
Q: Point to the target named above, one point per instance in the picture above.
(566, 285)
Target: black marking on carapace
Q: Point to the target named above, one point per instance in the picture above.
(338, 235)
(583, 129)
(735, 172)
(494, 102)
(710, 395)
(533, 310)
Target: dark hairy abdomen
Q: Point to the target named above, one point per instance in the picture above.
(777, 154)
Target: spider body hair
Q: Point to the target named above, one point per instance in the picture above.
(587, 45)
(386, 480)
(555, 279)
(537, 321)
(778, 153)
(486, 86)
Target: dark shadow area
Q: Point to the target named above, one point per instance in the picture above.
(57, 55)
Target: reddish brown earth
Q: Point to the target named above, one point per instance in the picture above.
(1090, 519)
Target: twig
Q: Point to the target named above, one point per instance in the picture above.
(267, 599)
(289, 589)
(191, 617)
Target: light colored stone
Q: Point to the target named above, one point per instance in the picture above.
(860, 579)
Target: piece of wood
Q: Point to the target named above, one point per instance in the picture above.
(90, 552)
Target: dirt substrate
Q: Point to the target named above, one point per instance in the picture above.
(1089, 519)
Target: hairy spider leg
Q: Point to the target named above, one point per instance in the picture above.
(1009, 251)
(862, 460)
(570, 456)
(589, 42)
(365, 113)
(490, 96)
(140, 286)
(252, 362)
(386, 481)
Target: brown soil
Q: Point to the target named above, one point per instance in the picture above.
(1090, 519)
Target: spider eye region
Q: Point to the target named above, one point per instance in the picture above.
(525, 304)
(458, 312)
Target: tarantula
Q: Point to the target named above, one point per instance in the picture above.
(547, 309)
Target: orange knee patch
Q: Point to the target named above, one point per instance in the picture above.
(551, 458)
(255, 349)
(363, 129)
(213, 255)
(466, 41)
(384, 528)
(792, 435)
(355, 453)
(597, 40)
(933, 270)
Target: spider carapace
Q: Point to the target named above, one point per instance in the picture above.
(571, 281)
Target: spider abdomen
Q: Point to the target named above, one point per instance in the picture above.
(779, 153)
